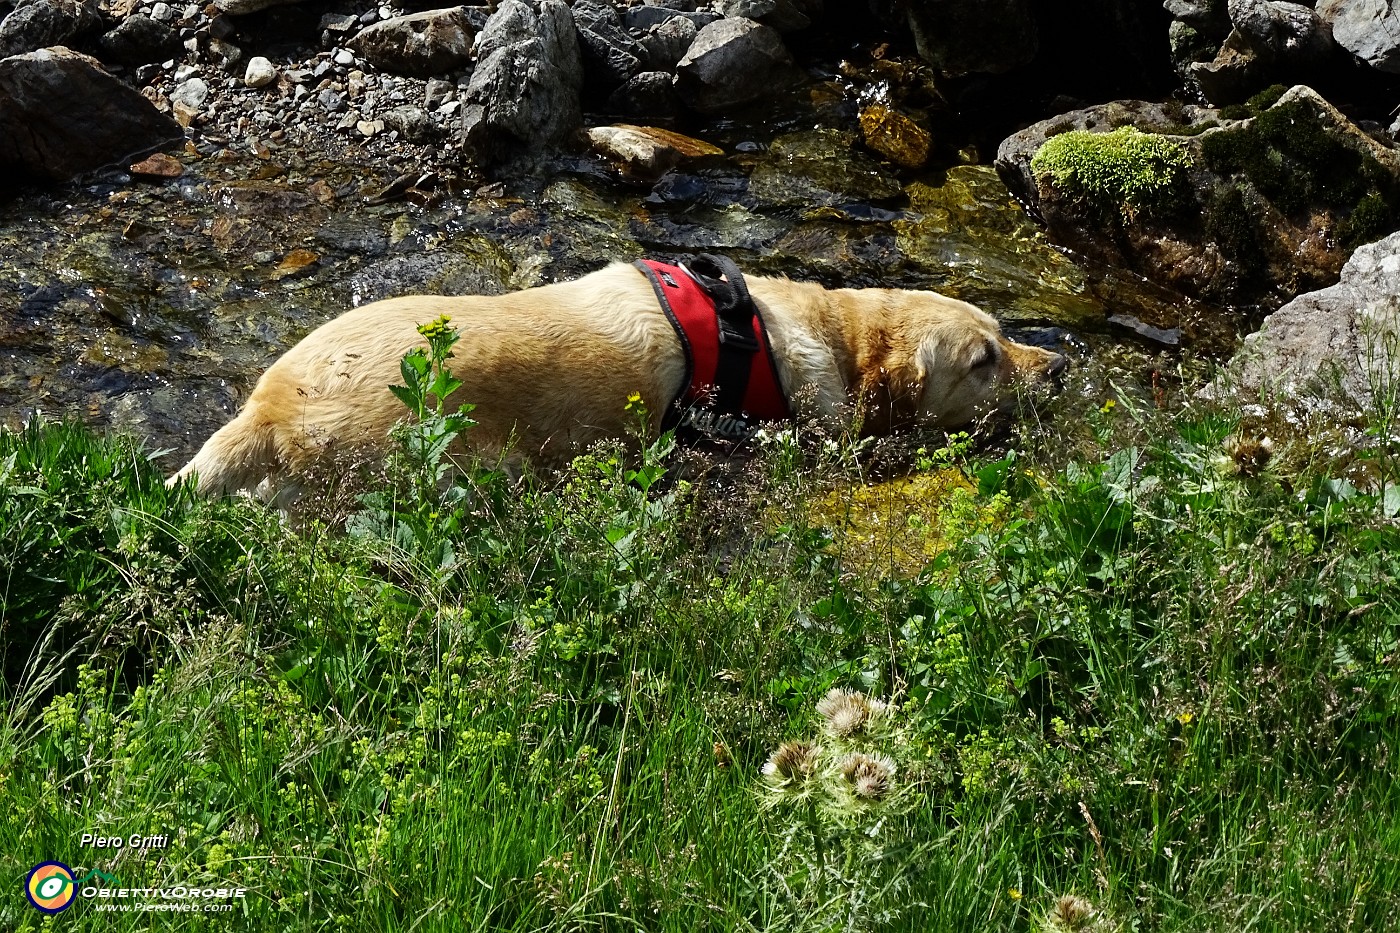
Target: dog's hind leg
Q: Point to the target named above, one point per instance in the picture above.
(241, 455)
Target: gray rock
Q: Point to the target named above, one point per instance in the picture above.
(139, 40)
(61, 114)
(1346, 336)
(982, 36)
(1196, 12)
(524, 93)
(782, 15)
(260, 72)
(436, 92)
(1277, 31)
(331, 100)
(644, 18)
(1270, 41)
(667, 43)
(731, 62)
(649, 94)
(421, 44)
(610, 55)
(192, 92)
(242, 7)
(412, 123)
(1368, 29)
(221, 52)
(44, 23)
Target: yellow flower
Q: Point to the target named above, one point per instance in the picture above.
(1107, 406)
(435, 328)
(1013, 893)
(1186, 718)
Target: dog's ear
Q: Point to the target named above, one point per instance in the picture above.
(891, 392)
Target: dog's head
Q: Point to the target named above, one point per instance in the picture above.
(945, 362)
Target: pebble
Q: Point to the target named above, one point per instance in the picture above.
(344, 57)
(260, 73)
(436, 92)
(162, 13)
(370, 127)
(332, 101)
(191, 93)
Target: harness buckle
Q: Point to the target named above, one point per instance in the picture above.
(731, 337)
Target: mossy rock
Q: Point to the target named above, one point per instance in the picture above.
(1303, 157)
(1125, 170)
(1246, 213)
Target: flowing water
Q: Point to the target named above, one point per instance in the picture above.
(152, 308)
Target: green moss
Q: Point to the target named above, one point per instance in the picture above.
(1127, 169)
(1266, 98)
(1288, 156)
(1371, 219)
(1232, 225)
(1255, 105)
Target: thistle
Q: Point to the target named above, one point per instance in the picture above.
(870, 777)
(792, 765)
(1070, 914)
(848, 713)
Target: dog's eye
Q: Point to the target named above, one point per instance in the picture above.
(986, 357)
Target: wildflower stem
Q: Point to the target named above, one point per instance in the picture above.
(818, 848)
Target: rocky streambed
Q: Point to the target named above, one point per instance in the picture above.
(313, 157)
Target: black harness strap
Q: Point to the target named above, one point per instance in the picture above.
(721, 279)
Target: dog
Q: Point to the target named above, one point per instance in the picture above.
(550, 370)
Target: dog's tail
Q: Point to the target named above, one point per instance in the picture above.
(237, 458)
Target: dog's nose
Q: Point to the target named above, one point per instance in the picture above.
(1058, 364)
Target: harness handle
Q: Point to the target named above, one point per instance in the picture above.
(734, 311)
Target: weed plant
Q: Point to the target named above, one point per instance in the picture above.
(1149, 682)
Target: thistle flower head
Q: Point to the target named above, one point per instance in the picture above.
(1248, 455)
(870, 777)
(848, 713)
(1071, 913)
(792, 765)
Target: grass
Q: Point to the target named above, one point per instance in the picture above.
(1147, 680)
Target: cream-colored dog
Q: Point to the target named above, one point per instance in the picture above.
(550, 369)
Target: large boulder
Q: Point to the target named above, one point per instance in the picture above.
(243, 7)
(42, 23)
(1368, 29)
(139, 40)
(524, 94)
(423, 45)
(611, 56)
(61, 114)
(1234, 211)
(1271, 40)
(732, 62)
(782, 15)
(1346, 337)
(965, 36)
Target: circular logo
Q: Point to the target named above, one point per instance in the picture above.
(50, 887)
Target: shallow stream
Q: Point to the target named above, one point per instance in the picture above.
(153, 308)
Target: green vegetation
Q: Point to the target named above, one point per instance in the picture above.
(1149, 682)
(1288, 156)
(1123, 171)
(1231, 223)
(1256, 104)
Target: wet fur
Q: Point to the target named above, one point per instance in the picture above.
(550, 369)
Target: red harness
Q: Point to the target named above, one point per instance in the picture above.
(691, 310)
